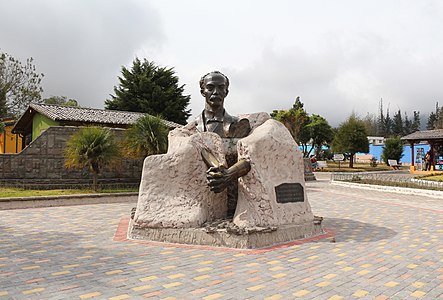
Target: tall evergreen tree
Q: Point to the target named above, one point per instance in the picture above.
(397, 124)
(438, 123)
(416, 122)
(150, 89)
(387, 124)
(381, 120)
(407, 125)
(431, 121)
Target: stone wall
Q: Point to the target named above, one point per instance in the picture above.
(41, 164)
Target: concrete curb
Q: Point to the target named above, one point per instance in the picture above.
(66, 200)
(394, 189)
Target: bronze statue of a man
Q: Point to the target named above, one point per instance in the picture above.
(214, 86)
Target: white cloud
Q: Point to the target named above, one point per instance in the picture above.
(338, 56)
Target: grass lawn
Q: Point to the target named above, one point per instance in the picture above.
(436, 177)
(15, 192)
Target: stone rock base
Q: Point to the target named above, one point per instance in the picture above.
(222, 238)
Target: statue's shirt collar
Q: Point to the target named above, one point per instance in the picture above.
(213, 118)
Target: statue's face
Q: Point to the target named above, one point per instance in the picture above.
(215, 90)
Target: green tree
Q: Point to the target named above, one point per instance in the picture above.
(387, 124)
(351, 137)
(416, 122)
(397, 124)
(2, 127)
(407, 125)
(294, 119)
(148, 136)
(393, 149)
(433, 118)
(381, 120)
(304, 137)
(320, 131)
(19, 85)
(92, 147)
(61, 100)
(431, 121)
(150, 89)
(438, 122)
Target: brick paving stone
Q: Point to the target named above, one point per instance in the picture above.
(387, 245)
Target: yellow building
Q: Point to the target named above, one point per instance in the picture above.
(9, 142)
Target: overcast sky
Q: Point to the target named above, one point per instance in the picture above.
(338, 56)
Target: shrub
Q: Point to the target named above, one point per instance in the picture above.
(393, 149)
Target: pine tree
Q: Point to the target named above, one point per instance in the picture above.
(407, 125)
(397, 124)
(381, 120)
(431, 121)
(416, 122)
(438, 121)
(387, 124)
(438, 124)
(150, 89)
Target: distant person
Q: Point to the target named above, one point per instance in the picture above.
(313, 162)
(428, 160)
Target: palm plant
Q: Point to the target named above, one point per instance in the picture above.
(92, 147)
(148, 136)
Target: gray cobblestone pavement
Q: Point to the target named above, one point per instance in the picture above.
(385, 246)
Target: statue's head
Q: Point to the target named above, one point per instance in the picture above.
(214, 87)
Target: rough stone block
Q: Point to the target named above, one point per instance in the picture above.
(275, 160)
(173, 190)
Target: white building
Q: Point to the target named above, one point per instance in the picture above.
(376, 140)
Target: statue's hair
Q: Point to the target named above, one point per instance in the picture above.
(202, 80)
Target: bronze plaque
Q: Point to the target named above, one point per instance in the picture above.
(289, 192)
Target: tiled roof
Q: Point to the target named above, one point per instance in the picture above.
(423, 135)
(91, 115)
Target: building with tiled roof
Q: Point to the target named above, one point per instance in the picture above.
(435, 140)
(9, 143)
(39, 117)
(424, 135)
(41, 135)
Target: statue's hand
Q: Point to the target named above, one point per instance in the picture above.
(218, 178)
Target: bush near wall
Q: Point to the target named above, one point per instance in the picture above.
(41, 164)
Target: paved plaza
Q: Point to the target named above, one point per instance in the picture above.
(380, 245)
